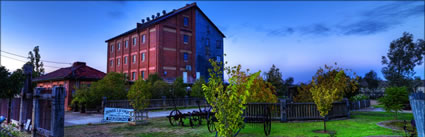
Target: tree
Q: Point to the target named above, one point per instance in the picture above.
(417, 82)
(178, 88)
(372, 80)
(197, 88)
(394, 99)
(82, 98)
(228, 103)
(35, 60)
(401, 59)
(274, 76)
(11, 85)
(329, 85)
(139, 94)
(262, 91)
(160, 88)
(113, 86)
(304, 94)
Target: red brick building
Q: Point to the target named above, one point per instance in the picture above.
(178, 43)
(70, 78)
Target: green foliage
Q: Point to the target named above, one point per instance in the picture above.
(304, 94)
(197, 88)
(139, 94)
(262, 91)
(83, 97)
(4, 78)
(35, 61)
(274, 76)
(178, 88)
(152, 78)
(160, 88)
(228, 103)
(394, 99)
(404, 54)
(113, 86)
(372, 80)
(359, 97)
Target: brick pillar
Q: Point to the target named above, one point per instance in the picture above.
(36, 111)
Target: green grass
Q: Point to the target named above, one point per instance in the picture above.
(360, 124)
(378, 106)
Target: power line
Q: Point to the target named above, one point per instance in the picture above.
(27, 61)
(40, 60)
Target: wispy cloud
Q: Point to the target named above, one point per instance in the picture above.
(372, 21)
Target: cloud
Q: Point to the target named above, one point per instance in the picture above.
(116, 14)
(284, 31)
(316, 29)
(382, 18)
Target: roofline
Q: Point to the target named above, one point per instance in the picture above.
(193, 5)
(64, 78)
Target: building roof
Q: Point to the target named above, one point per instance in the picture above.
(166, 16)
(78, 71)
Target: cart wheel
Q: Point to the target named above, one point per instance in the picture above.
(267, 121)
(210, 122)
(175, 117)
(194, 119)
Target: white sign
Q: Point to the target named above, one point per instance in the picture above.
(117, 115)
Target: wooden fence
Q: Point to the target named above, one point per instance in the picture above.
(308, 111)
(163, 103)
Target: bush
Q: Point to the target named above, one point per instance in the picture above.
(262, 91)
(394, 99)
(359, 97)
(304, 94)
(178, 88)
(139, 94)
(160, 88)
(197, 88)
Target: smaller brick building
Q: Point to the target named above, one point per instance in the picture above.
(70, 78)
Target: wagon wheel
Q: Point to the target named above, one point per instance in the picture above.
(210, 121)
(175, 117)
(267, 121)
(194, 119)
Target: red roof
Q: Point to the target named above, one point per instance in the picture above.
(78, 71)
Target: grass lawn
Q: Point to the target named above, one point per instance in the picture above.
(360, 124)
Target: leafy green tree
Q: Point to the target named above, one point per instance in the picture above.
(82, 98)
(35, 60)
(140, 94)
(303, 93)
(113, 86)
(329, 85)
(160, 88)
(394, 99)
(402, 57)
(228, 103)
(11, 85)
(372, 80)
(274, 76)
(178, 88)
(197, 88)
(152, 78)
(262, 91)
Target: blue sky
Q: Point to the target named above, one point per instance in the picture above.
(298, 37)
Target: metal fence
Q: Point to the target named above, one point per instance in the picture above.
(417, 101)
(163, 103)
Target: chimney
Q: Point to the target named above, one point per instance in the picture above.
(153, 16)
(78, 63)
(157, 14)
(147, 19)
(143, 21)
(164, 12)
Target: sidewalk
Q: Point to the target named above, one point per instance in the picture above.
(77, 118)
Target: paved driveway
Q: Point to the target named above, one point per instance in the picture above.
(77, 118)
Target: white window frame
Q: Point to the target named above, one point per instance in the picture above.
(125, 59)
(133, 60)
(134, 41)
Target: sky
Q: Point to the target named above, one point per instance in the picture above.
(298, 37)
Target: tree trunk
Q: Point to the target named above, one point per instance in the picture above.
(83, 108)
(324, 123)
(8, 110)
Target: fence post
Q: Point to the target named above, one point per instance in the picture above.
(186, 101)
(164, 102)
(24, 96)
(283, 110)
(58, 112)
(104, 101)
(348, 107)
(35, 111)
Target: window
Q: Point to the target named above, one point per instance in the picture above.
(207, 42)
(125, 60)
(119, 46)
(143, 38)
(143, 74)
(218, 59)
(142, 57)
(185, 39)
(165, 73)
(125, 75)
(133, 75)
(118, 61)
(185, 21)
(188, 67)
(112, 48)
(218, 44)
(126, 43)
(185, 56)
(134, 41)
(111, 62)
(134, 59)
